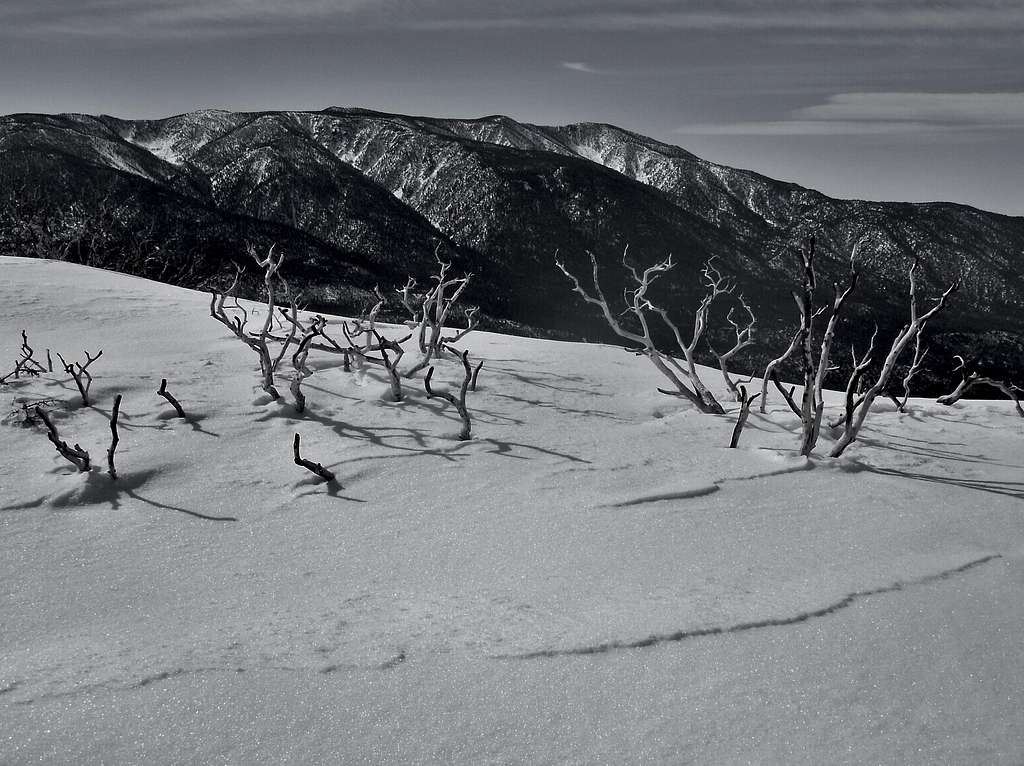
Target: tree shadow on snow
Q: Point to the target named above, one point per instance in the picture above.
(97, 488)
(1012, 489)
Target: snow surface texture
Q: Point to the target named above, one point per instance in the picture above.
(593, 578)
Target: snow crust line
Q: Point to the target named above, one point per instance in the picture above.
(777, 622)
(707, 489)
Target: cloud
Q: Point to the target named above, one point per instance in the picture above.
(802, 128)
(952, 16)
(169, 18)
(940, 108)
(884, 114)
(579, 66)
(232, 17)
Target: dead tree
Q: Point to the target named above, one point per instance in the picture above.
(899, 344)
(638, 304)
(237, 322)
(316, 468)
(972, 379)
(813, 402)
(744, 339)
(436, 305)
(173, 402)
(302, 371)
(476, 372)
(741, 419)
(413, 303)
(370, 320)
(769, 374)
(915, 367)
(854, 385)
(77, 456)
(80, 373)
(385, 360)
(28, 363)
(460, 402)
(113, 437)
(471, 322)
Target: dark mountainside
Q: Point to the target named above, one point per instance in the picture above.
(356, 198)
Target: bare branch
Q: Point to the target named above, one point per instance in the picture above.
(113, 437)
(460, 402)
(316, 468)
(639, 304)
(80, 373)
(970, 380)
(900, 342)
(744, 339)
(173, 402)
(741, 419)
(74, 455)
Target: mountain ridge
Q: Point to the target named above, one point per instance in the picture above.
(366, 196)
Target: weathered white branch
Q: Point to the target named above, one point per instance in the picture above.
(638, 304)
(900, 342)
(969, 381)
(744, 339)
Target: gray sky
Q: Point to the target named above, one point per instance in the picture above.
(874, 99)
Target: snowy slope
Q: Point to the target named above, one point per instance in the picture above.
(593, 578)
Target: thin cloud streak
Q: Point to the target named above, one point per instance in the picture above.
(943, 108)
(163, 18)
(807, 128)
(579, 66)
(855, 114)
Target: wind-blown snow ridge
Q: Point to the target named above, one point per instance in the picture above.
(776, 622)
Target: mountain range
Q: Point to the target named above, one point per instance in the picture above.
(357, 198)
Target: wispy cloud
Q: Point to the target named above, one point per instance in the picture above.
(884, 113)
(941, 108)
(730, 15)
(579, 66)
(227, 17)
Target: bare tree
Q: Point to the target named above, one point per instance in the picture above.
(915, 367)
(769, 373)
(855, 383)
(28, 361)
(80, 373)
(899, 344)
(385, 360)
(813, 402)
(972, 379)
(302, 371)
(434, 309)
(471, 322)
(638, 304)
(460, 401)
(237, 321)
(744, 339)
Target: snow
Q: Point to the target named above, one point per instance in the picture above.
(593, 578)
(162, 146)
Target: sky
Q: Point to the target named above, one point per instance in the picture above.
(875, 99)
